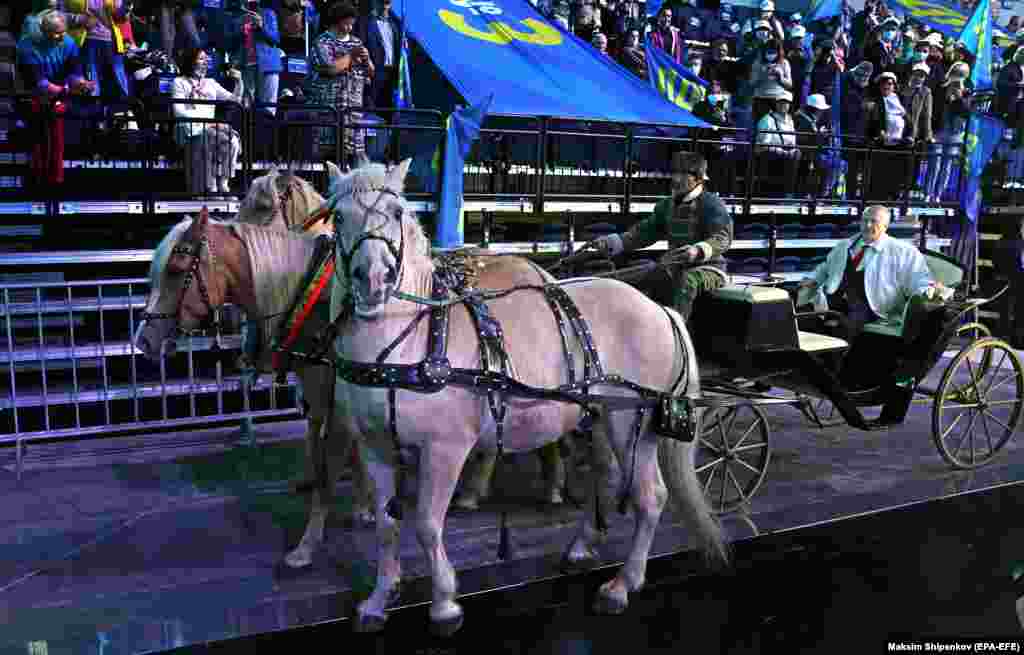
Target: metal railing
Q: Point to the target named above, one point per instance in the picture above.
(70, 368)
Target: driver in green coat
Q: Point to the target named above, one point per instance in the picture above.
(697, 226)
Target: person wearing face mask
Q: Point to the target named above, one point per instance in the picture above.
(888, 128)
(694, 62)
(666, 36)
(755, 39)
(952, 107)
(697, 226)
(770, 78)
(600, 42)
(767, 15)
(811, 136)
(856, 107)
(211, 149)
(719, 149)
(776, 141)
(882, 47)
(917, 99)
(52, 65)
(799, 61)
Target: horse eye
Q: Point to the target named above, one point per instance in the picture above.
(391, 275)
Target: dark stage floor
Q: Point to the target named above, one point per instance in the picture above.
(141, 544)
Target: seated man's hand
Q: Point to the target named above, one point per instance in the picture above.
(609, 245)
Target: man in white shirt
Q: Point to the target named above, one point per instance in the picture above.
(869, 276)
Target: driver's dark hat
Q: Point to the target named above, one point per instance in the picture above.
(690, 162)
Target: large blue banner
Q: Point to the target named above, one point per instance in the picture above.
(532, 66)
(675, 83)
(943, 16)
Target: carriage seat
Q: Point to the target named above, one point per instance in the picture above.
(768, 320)
(944, 269)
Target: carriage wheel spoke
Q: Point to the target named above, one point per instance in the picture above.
(1012, 401)
(967, 433)
(953, 425)
(739, 489)
(963, 406)
(752, 446)
(707, 444)
(713, 463)
(994, 386)
(988, 434)
(1004, 426)
(711, 476)
(753, 425)
(995, 372)
(974, 378)
(745, 464)
(724, 431)
(725, 483)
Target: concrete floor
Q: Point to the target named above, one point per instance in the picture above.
(136, 544)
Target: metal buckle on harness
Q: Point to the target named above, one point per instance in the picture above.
(675, 418)
(436, 372)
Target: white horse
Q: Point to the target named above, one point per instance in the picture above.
(381, 250)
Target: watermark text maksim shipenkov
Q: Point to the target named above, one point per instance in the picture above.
(955, 646)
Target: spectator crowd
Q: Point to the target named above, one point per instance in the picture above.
(905, 90)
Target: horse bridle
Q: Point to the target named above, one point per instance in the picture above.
(347, 256)
(193, 250)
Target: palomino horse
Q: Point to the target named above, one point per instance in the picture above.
(394, 378)
(201, 265)
(286, 201)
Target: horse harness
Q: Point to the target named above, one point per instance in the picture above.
(193, 250)
(674, 417)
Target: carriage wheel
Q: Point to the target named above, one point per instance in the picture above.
(971, 332)
(978, 404)
(733, 455)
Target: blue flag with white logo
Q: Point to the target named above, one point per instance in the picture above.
(983, 135)
(462, 130)
(977, 37)
(675, 83)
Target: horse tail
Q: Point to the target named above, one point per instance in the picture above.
(677, 459)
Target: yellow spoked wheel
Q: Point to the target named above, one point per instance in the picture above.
(978, 404)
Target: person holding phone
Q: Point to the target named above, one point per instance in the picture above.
(260, 55)
(340, 72)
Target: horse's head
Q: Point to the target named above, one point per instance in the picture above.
(279, 200)
(184, 294)
(376, 236)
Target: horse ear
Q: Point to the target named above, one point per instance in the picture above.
(396, 176)
(204, 217)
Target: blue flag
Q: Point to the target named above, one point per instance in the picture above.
(823, 10)
(984, 133)
(977, 37)
(675, 83)
(463, 128)
(403, 86)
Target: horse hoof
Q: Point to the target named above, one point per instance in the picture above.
(555, 498)
(368, 623)
(606, 605)
(298, 561)
(579, 565)
(447, 627)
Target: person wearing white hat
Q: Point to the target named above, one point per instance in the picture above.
(810, 130)
(951, 106)
(767, 9)
(917, 99)
(887, 123)
(770, 77)
(799, 58)
(776, 139)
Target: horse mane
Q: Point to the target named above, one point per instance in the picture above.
(279, 261)
(260, 204)
(372, 178)
(270, 251)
